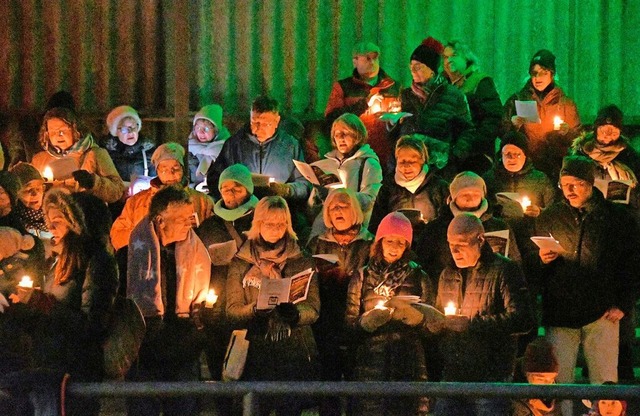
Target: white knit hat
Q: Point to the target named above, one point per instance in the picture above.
(117, 114)
(212, 113)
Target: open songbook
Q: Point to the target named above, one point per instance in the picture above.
(528, 110)
(320, 173)
(63, 168)
(499, 241)
(618, 191)
(292, 289)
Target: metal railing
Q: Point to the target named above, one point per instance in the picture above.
(252, 391)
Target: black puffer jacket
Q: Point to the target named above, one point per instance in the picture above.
(129, 160)
(394, 352)
(444, 115)
(430, 197)
(599, 268)
(493, 294)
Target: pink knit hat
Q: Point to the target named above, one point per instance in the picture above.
(395, 223)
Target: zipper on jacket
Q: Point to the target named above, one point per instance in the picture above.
(261, 154)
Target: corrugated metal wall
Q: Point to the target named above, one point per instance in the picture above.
(109, 52)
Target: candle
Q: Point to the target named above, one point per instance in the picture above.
(526, 203)
(450, 309)
(380, 305)
(47, 174)
(272, 180)
(375, 108)
(557, 121)
(26, 282)
(210, 299)
(395, 106)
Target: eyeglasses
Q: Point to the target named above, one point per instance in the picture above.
(259, 124)
(127, 129)
(513, 155)
(339, 207)
(275, 226)
(417, 67)
(538, 74)
(169, 171)
(202, 129)
(573, 186)
(62, 132)
(343, 134)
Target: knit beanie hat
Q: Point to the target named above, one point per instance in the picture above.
(465, 224)
(11, 185)
(11, 241)
(395, 223)
(117, 114)
(579, 166)
(466, 180)
(540, 357)
(25, 172)
(238, 173)
(545, 59)
(429, 52)
(211, 113)
(517, 139)
(168, 151)
(610, 114)
(61, 99)
(363, 48)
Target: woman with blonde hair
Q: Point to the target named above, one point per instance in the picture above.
(281, 346)
(348, 242)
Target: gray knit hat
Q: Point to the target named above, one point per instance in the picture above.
(238, 173)
(25, 172)
(168, 151)
(464, 180)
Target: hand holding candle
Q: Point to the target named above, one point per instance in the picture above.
(47, 174)
(211, 299)
(450, 309)
(525, 202)
(557, 122)
(26, 282)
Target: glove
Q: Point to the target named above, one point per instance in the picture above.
(288, 312)
(408, 315)
(374, 319)
(84, 178)
(280, 189)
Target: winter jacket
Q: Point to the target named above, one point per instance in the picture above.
(349, 95)
(274, 158)
(598, 269)
(202, 155)
(108, 185)
(444, 116)
(494, 295)
(535, 407)
(293, 358)
(432, 247)
(529, 182)
(360, 172)
(547, 147)
(430, 198)
(145, 277)
(130, 160)
(485, 107)
(393, 352)
(138, 205)
(334, 281)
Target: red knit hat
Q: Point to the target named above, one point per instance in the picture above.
(395, 223)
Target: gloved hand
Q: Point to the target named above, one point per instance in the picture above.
(22, 295)
(288, 312)
(280, 189)
(408, 315)
(375, 318)
(84, 178)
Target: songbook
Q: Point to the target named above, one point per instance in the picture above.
(499, 241)
(261, 181)
(618, 191)
(414, 215)
(548, 243)
(331, 258)
(511, 204)
(528, 110)
(292, 289)
(320, 173)
(63, 168)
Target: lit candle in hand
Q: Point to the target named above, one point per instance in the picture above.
(526, 203)
(557, 122)
(272, 180)
(380, 305)
(47, 174)
(26, 282)
(450, 309)
(210, 299)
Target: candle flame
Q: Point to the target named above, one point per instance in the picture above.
(211, 298)
(526, 203)
(450, 309)
(47, 174)
(26, 282)
(557, 121)
(380, 305)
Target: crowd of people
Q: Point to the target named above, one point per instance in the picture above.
(437, 239)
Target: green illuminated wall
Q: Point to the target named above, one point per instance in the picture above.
(108, 52)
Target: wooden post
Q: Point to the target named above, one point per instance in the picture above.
(181, 45)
